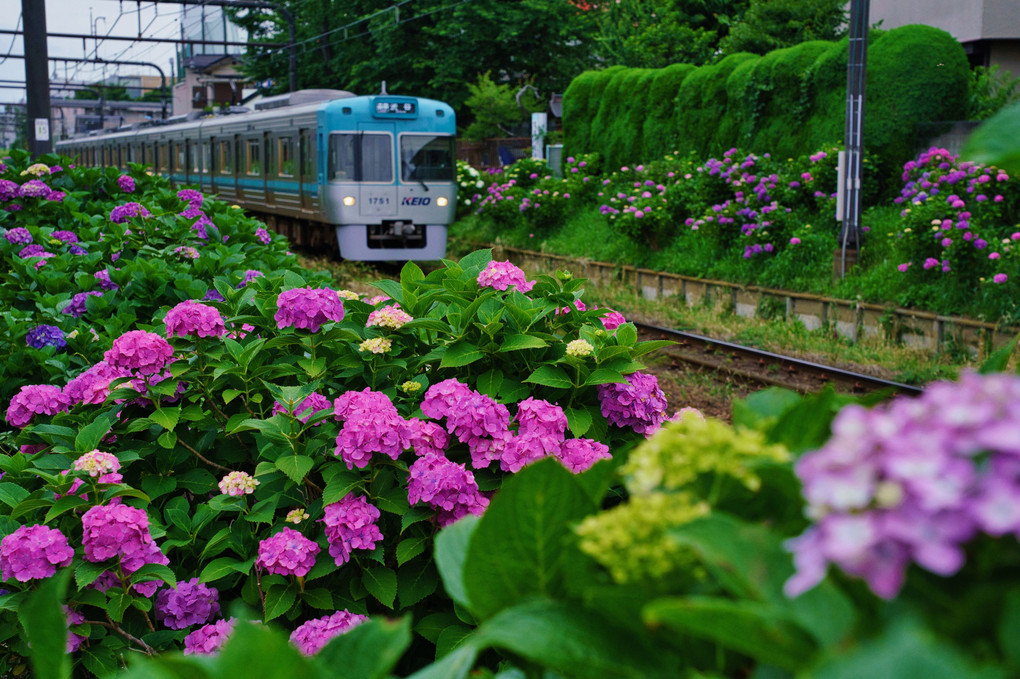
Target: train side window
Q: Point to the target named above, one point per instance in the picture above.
(252, 159)
(181, 163)
(307, 154)
(342, 157)
(163, 156)
(206, 154)
(285, 156)
(226, 158)
(195, 159)
(269, 161)
(147, 155)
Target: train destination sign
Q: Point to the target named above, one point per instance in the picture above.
(402, 108)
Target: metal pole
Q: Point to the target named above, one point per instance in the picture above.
(850, 236)
(37, 78)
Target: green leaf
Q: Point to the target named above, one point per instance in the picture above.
(643, 348)
(455, 665)
(382, 584)
(279, 599)
(391, 288)
(409, 548)
(489, 382)
(518, 342)
(460, 354)
(995, 141)
(450, 552)
(319, 597)
(154, 571)
(603, 376)
(433, 624)
(905, 650)
(550, 376)
(295, 466)
(755, 629)
(167, 439)
(369, 651)
(87, 572)
(1008, 632)
(90, 435)
(763, 406)
(999, 360)
(415, 581)
(220, 568)
(626, 335)
(257, 652)
(339, 485)
(574, 641)
(579, 420)
(410, 275)
(11, 494)
(522, 546)
(45, 625)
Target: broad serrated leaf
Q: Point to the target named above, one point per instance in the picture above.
(519, 342)
(460, 354)
(295, 466)
(382, 584)
(550, 376)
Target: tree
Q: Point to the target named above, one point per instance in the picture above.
(772, 24)
(657, 33)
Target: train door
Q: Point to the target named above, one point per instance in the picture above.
(309, 180)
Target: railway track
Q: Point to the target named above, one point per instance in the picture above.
(748, 364)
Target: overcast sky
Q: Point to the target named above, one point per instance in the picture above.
(108, 17)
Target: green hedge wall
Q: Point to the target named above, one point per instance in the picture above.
(789, 102)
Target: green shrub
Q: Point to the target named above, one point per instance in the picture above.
(659, 134)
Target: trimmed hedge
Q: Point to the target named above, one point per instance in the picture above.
(788, 102)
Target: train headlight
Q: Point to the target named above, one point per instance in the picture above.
(442, 201)
(349, 201)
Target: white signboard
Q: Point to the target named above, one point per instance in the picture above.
(539, 125)
(42, 129)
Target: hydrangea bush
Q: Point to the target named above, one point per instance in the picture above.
(81, 260)
(290, 451)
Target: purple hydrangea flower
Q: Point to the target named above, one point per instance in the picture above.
(103, 278)
(35, 399)
(122, 213)
(372, 426)
(143, 352)
(34, 188)
(501, 275)
(46, 336)
(308, 308)
(189, 603)
(65, 236)
(194, 318)
(447, 486)
(426, 437)
(32, 251)
(78, 250)
(312, 635)
(351, 524)
(639, 403)
(73, 618)
(34, 552)
(263, 236)
(911, 482)
(193, 197)
(213, 295)
(8, 190)
(249, 276)
(126, 183)
(287, 553)
(310, 405)
(208, 639)
(76, 307)
(19, 235)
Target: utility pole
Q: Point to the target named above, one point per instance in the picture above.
(850, 189)
(37, 77)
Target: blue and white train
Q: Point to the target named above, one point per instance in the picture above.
(379, 171)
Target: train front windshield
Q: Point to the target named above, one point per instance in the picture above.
(427, 157)
(363, 157)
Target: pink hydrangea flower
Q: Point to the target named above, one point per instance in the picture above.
(613, 320)
(501, 275)
(311, 636)
(34, 553)
(426, 437)
(36, 399)
(93, 386)
(287, 553)
(122, 531)
(447, 486)
(578, 455)
(308, 308)
(189, 603)
(208, 639)
(73, 618)
(97, 463)
(194, 318)
(143, 352)
(351, 524)
(390, 316)
(237, 484)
